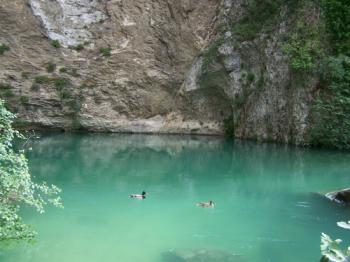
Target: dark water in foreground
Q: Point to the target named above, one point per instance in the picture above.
(265, 206)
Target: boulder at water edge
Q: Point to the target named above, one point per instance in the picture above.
(341, 196)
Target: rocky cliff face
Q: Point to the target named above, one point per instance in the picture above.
(160, 66)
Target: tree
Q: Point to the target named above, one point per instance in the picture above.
(16, 185)
(330, 248)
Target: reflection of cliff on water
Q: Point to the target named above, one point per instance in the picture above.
(112, 158)
(106, 155)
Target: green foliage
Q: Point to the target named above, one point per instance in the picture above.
(229, 127)
(5, 86)
(61, 83)
(105, 51)
(304, 47)
(78, 47)
(42, 79)
(64, 94)
(76, 105)
(63, 70)
(6, 93)
(69, 71)
(331, 111)
(5, 90)
(331, 249)
(211, 53)
(55, 43)
(250, 77)
(16, 185)
(3, 48)
(35, 87)
(25, 75)
(24, 99)
(50, 67)
(337, 16)
(260, 15)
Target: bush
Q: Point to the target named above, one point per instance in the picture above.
(105, 51)
(50, 67)
(5, 90)
(250, 77)
(337, 16)
(304, 47)
(25, 75)
(260, 14)
(42, 79)
(211, 53)
(75, 105)
(78, 47)
(24, 99)
(3, 48)
(229, 127)
(331, 250)
(70, 71)
(5, 86)
(7, 93)
(35, 87)
(64, 94)
(331, 111)
(55, 43)
(61, 83)
(63, 70)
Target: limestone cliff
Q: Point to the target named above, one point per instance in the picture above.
(161, 66)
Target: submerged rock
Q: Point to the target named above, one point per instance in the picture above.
(341, 196)
(199, 255)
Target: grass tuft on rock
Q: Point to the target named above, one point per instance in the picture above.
(3, 48)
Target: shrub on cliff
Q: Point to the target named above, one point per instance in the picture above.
(331, 111)
(3, 48)
(105, 51)
(55, 44)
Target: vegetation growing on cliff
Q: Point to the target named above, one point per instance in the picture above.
(55, 44)
(331, 111)
(105, 51)
(260, 15)
(50, 67)
(331, 114)
(16, 185)
(304, 47)
(3, 48)
(5, 90)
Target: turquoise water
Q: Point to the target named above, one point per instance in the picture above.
(266, 208)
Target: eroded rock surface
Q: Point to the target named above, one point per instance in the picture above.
(143, 66)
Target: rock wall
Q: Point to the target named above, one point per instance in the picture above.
(142, 66)
(250, 81)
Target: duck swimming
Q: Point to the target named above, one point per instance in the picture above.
(138, 196)
(209, 204)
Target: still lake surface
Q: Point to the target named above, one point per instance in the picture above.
(267, 206)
